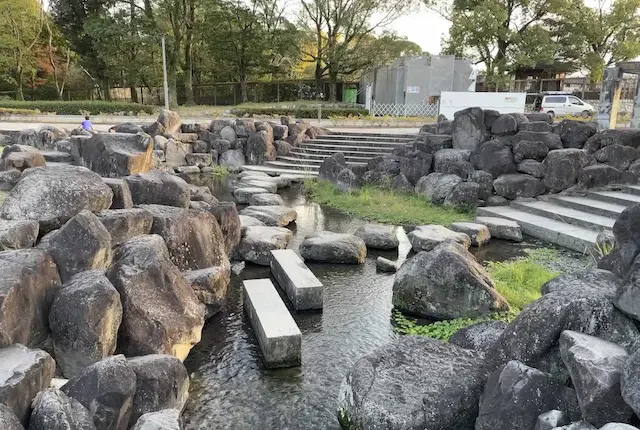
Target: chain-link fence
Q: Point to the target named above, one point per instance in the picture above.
(391, 109)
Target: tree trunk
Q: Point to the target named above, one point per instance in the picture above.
(333, 87)
(134, 92)
(188, 53)
(244, 92)
(172, 76)
(20, 83)
(318, 77)
(106, 89)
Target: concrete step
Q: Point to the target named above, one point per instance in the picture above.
(296, 166)
(329, 151)
(616, 197)
(586, 204)
(381, 144)
(631, 189)
(565, 214)
(557, 232)
(278, 334)
(303, 289)
(311, 161)
(322, 157)
(279, 171)
(371, 136)
(342, 148)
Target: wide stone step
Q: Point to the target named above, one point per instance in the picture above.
(328, 152)
(565, 214)
(311, 161)
(353, 148)
(322, 157)
(616, 197)
(292, 166)
(371, 136)
(278, 334)
(557, 232)
(301, 285)
(278, 171)
(586, 204)
(381, 144)
(631, 189)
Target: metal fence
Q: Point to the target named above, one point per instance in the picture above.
(392, 109)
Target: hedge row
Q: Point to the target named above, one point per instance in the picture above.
(79, 107)
(300, 112)
(14, 111)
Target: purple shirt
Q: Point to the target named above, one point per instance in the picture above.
(86, 124)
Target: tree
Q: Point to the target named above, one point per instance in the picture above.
(22, 22)
(59, 56)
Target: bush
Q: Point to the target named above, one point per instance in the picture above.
(79, 107)
(299, 112)
(14, 111)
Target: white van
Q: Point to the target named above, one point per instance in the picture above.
(564, 104)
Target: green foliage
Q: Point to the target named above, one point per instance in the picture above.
(79, 107)
(3, 195)
(382, 205)
(299, 112)
(604, 248)
(219, 170)
(14, 111)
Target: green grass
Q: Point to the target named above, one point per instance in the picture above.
(385, 206)
(219, 170)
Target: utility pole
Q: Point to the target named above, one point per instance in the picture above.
(164, 74)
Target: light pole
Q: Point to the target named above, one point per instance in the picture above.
(164, 75)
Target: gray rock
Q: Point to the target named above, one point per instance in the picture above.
(412, 382)
(468, 129)
(167, 419)
(121, 194)
(249, 221)
(210, 285)
(618, 156)
(532, 167)
(106, 389)
(283, 148)
(266, 183)
(20, 157)
(200, 147)
(437, 186)
(496, 201)
(229, 134)
(276, 216)
(220, 146)
(233, 158)
(260, 148)
(627, 235)
(504, 124)
(601, 175)
(386, 265)
(594, 278)
(580, 303)
(574, 134)
(157, 187)
(332, 166)
(54, 195)
(618, 426)
(516, 394)
(188, 170)
(346, 180)
(484, 181)
(162, 382)
(228, 219)
(445, 283)
(160, 143)
(8, 420)
(463, 197)
(117, 154)
(217, 125)
(539, 116)
(578, 425)
(536, 126)
(519, 117)
(124, 224)
(28, 284)
(493, 157)
(243, 194)
(18, 234)
(266, 199)
(518, 185)
(427, 237)
(453, 161)
(552, 419)
(176, 153)
(595, 367)
(258, 241)
(627, 137)
(9, 179)
(280, 131)
(84, 319)
(170, 121)
(490, 116)
(193, 237)
(23, 373)
(630, 382)
(161, 313)
(83, 243)
(201, 194)
(329, 247)
(415, 168)
(402, 184)
(529, 149)
(378, 236)
(199, 160)
(501, 228)
(431, 143)
(478, 233)
(479, 336)
(551, 140)
(54, 410)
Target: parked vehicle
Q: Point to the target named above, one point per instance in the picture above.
(563, 104)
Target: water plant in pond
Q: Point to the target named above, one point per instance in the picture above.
(383, 205)
(3, 196)
(220, 170)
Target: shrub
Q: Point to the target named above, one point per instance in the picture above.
(79, 107)
(299, 112)
(15, 111)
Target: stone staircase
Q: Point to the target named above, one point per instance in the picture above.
(358, 149)
(569, 221)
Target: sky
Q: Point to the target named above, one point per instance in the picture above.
(425, 28)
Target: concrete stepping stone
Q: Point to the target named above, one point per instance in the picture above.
(278, 334)
(501, 228)
(301, 285)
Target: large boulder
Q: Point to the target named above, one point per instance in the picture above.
(8, 420)
(630, 382)
(431, 143)
(126, 127)
(210, 286)
(504, 124)
(158, 187)
(258, 241)
(378, 236)
(415, 168)
(28, 284)
(170, 121)
(427, 237)
(463, 197)
(445, 283)
(9, 179)
(516, 394)
(17, 234)
(479, 336)
(539, 116)
(162, 382)
(437, 186)
(54, 195)
(193, 237)
(532, 167)
(501, 228)
(106, 389)
(228, 219)
(175, 153)
(161, 313)
(604, 138)
(581, 302)
(332, 166)
(536, 126)
(478, 233)
(484, 181)
(54, 410)
(626, 231)
(529, 149)
(276, 216)
(124, 224)
(412, 383)
(260, 148)
(117, 154)
(595, 367)
(468, 129)
(23, 373)
(84, 319)
(493, 157)
(244, 193)
(20, 157)
(563, 166)
(346, 180)
(518, 185)
(329, 247)
(121, 193)
(453, 161)
(233, 158)
(618, 156)
(166, 419)
(601, 175)
(83, 243)
(574, 134)
(552, 419)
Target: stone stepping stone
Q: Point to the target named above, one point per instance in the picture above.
(266, 199)
(243, 194)
(478, 233)
(258, 241)
(501, 228)
(427, 237)
(301, 285)
(277, 216)
(377, 236)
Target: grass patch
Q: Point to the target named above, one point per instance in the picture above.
(219, 170)
(79, 107)
(16, 111)
(299, 112)
(385, 206)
